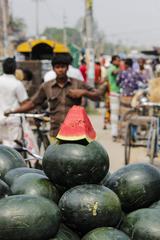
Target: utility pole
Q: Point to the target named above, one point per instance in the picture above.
(64, 29)
(89, 41)
(4, 26)
(37, 17)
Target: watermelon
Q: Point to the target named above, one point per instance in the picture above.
(13, 174)
(64, 233)
(105, 179)
(25, 217)
(76, 126)
(4, 189)
(155, 205)
(35, 184)
(142, 224)
(9, 159)
(86, 207)
(137, 185)
(73, 164)
(105, 233)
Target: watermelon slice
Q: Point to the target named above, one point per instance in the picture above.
(76, 126)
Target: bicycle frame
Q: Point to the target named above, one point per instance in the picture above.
(153, 122)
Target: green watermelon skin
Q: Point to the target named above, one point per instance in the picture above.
(86, 207)
(35, 184)
(13, 174)
(9, 159)
(142, 224)
(105, 179)
(105, 233)
(26, 217)
(155, 205)
(69, 165)
(65, 233)
(137, 186)
(4, 189)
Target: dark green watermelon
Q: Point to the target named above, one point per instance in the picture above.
(4, 189)
(74, 164)
(142, 224)
(65, 233)
(105, 179)
(26, 217)
(13, 174)
(35, 184)
(155, 205)
(137, 186)
(105, 233)
(9, 159)
(61, 189)
(86, 207)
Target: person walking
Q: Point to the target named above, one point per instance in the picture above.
(12, 95)
(113, 72)
(61, 93)
(129, 81)
(83, 69)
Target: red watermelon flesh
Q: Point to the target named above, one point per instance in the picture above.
(76, 126)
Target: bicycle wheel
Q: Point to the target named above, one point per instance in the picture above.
(46, 141)
(127, 146)
(43, 142)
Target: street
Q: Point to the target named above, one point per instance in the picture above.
(116, 149)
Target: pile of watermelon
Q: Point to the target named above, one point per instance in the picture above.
(75, 196)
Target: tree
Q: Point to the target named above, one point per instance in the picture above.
(17, 25)
(73, 35)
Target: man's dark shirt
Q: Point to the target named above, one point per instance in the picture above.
(58, 100)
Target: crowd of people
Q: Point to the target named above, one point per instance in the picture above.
(124, 78)
(119, 80)
(64, 86)
(61, 92)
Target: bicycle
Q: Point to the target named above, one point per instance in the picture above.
(40, 133)
(40, 130)
(32, 157)
(147, 130)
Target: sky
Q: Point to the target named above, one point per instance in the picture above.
(132, 22)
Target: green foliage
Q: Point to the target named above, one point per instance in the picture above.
(73, 35)
(17, 25)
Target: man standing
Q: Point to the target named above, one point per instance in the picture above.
(113, 71)
(71, 73)
(12, 95)
(61, 93)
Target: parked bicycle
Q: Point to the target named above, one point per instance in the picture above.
(39, 140)
(32, 160)
(143, 130)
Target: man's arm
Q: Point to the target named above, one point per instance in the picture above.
(115, 72)
(24, 107)
(94, 95)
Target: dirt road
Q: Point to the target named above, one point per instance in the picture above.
(115, 149)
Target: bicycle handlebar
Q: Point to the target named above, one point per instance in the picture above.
(29, 115)
(150, 104)
(24, 149)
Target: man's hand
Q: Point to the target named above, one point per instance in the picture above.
(76, 93)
